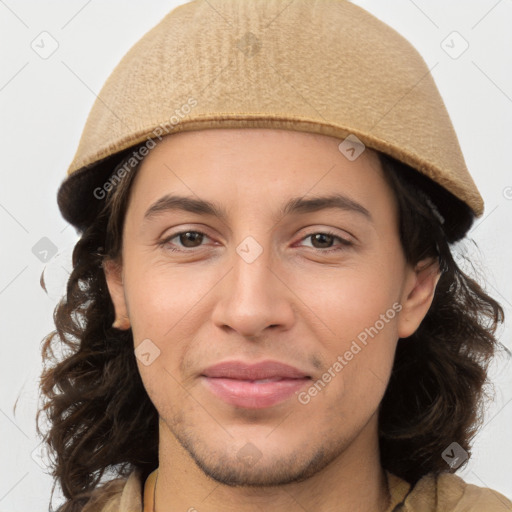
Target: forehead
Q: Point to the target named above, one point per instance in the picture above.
(255, 168)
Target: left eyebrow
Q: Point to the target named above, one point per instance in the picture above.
(338, 201)
(296, 205)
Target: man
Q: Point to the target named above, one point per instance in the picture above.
(228, 359)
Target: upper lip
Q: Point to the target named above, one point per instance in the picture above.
(262, 370)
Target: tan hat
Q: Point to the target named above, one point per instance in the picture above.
(321, 66)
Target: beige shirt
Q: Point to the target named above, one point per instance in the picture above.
(446, 493)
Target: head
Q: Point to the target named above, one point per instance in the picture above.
(364, 298)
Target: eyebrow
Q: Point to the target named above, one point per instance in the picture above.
(296, 205)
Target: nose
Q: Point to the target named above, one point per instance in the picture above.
(254, 297)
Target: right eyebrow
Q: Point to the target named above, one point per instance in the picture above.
(189, 204)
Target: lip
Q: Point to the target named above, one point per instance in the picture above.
(256, 371)
(237, 383)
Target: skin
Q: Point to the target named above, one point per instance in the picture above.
(294, 303)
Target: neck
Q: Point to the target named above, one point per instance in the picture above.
(354, 481)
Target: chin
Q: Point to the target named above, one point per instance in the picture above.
(258, 464)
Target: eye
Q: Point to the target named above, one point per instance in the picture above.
(324, 240)
(189, 239)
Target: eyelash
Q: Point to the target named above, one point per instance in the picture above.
(343, 242)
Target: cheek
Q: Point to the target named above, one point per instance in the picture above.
(168, 305)
(358, 309)
(350, 300)
(163, 306)
(163, 299)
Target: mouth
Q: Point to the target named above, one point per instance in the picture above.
(255, 386)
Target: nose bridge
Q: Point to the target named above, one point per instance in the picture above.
(253, 297)
(253, 255)
(252, 266)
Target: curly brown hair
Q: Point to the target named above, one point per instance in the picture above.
(102, 420)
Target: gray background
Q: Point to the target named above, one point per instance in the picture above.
(43, 107)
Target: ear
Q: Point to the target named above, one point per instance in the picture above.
(417, 295)
(114, 278)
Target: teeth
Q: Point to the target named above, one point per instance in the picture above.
(273, 379)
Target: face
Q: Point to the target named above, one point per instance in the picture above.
(274, 274)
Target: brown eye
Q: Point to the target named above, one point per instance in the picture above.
(190, 238)
(323, 240)
(184, 239)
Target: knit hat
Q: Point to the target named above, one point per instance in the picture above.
(319, 66)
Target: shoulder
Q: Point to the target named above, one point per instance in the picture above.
(118, 495)
(454, 491)
(449, 492)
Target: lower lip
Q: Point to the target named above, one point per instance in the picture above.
(254, 395)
